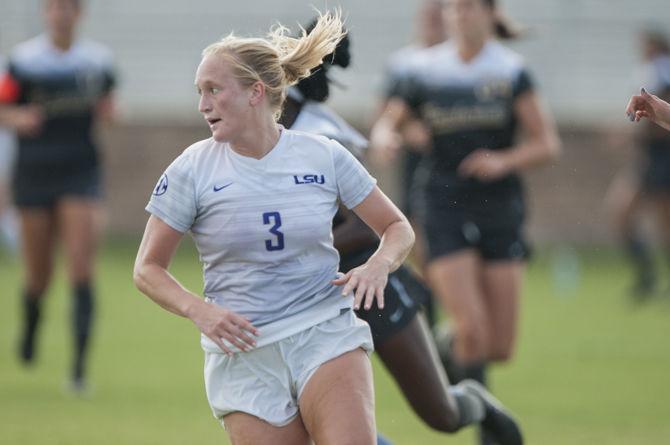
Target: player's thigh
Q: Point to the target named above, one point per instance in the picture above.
(337, 404)
(245, 429)
(38, 236)
(502, 282)
(79, 223)
(456, 280)
(623, 199)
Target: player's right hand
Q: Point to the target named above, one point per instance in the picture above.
(28, 120)
(220, 324)
(385, 144)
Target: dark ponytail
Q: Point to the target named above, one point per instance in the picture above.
(502, 26)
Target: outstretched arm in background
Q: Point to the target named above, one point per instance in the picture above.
(652, 107)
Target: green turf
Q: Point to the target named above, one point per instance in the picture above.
(590, 368)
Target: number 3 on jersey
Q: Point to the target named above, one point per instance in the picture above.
(274, 218)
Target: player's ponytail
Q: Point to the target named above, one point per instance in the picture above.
(280, 60)
(298, 56)
(502, 25)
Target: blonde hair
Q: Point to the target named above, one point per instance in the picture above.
(280, 60)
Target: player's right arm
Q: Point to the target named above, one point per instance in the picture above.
(151, 276)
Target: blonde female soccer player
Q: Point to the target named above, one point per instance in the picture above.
(286, 358)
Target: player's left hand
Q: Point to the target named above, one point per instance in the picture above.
(368, 282)
(485, 165)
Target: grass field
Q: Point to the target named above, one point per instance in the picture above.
(591, 368)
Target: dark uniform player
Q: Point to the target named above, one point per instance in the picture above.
(474, 95)
(651, 187)
(399, 331)
(57, 177)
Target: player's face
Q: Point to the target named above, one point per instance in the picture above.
(467, 19)
(61, 16)
(224, 102)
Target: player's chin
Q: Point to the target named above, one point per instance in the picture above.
(220, 136)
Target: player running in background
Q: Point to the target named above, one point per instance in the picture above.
(649, 186)
(401, 336)
(286, 359)
(56, 88)
(430, 30)
(475, 94)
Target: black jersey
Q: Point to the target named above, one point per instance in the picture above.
(467, 106)
(67, 85)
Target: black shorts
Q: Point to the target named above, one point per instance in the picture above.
(403, 297)
(656, 173)
(494, 230)
(42, 190)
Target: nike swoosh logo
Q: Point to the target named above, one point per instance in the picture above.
(216, 189)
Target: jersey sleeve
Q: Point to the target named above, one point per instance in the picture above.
(523, 83)
(354, 183)
(173, 200)
(409, 89)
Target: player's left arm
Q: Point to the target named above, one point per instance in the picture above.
(397, 239)
(540, 145)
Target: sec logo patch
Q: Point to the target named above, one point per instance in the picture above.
(162, 186)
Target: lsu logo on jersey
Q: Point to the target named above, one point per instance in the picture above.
(309, 179)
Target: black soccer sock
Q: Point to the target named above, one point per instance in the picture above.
(82, 322)
(640, 253)
(444, 341)
(470, 407)
(32, 303)
(476, 372)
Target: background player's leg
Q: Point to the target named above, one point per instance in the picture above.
(79, 225)
(37, 248)
(455, 281)
(624, 201)
(338, 405)
(502, 282)
(245, 429)
(412, 359)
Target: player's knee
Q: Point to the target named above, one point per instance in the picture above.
(501, 353)
(474, 340)
(37, 287)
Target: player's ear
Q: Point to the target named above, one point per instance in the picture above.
(257, 93)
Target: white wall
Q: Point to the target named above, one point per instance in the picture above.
(583, 52)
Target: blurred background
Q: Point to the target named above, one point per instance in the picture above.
(584, 54)
(591, 367)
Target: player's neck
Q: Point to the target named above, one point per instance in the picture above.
(257, 141)
(62, 41)
(468, 49)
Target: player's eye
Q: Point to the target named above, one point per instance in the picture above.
(214, 91)
(198, 90)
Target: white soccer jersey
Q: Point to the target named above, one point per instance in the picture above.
(263, 226)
